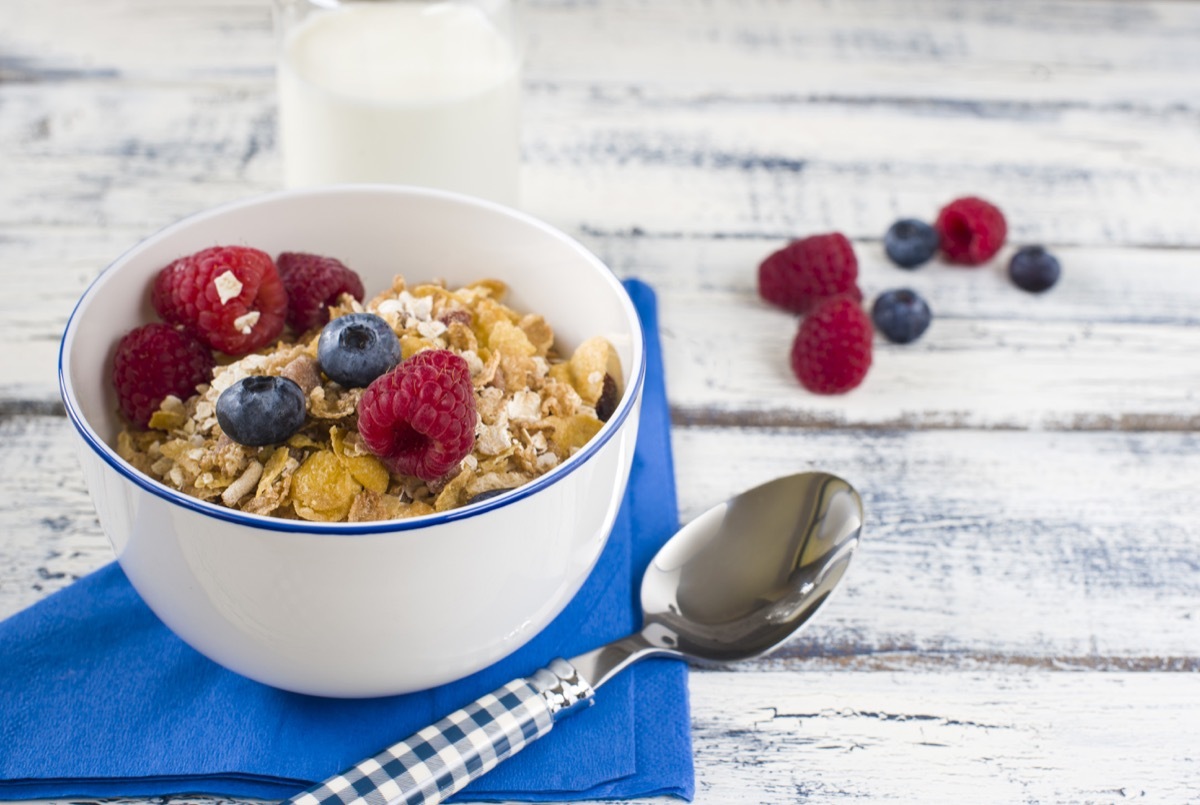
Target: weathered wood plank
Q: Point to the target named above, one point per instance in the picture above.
(50, 533)
(764, 169)
(953, 737)
(1072, 550)
(80, 161)
(772, 168)
(961, 373)
(1138, 55)
(942, 49)
(1022, 544)
(1098, 285)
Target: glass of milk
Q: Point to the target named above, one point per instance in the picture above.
(422, 92)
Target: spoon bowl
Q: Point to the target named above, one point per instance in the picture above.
(742, 577)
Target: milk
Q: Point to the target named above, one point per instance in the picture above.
(403, 92)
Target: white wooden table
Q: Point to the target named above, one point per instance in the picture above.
(1023, 621)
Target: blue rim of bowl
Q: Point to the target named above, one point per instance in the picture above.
(632, 394)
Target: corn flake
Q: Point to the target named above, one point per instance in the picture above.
(322, 489)
(366, 469)
(591, 361)
(568, 434)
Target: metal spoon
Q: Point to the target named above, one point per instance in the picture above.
(732, 584)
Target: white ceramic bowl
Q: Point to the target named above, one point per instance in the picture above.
(362, 609)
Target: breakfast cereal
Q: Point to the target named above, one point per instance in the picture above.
(533, 408)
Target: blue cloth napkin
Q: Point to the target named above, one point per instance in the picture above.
(99, 699)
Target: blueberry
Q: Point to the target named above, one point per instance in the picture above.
(354, 350)
(1034, 269)
(901, 315)
(909, 242)
(261, 410)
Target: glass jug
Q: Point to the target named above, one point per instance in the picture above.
(422, 92)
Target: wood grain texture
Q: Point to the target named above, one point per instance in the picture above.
(969, 737)
(1137, 54)
(734, 167)
(1030, 547)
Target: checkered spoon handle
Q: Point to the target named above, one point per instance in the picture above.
(441, 759)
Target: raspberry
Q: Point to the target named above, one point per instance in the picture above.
(419, 418)
(806, 271)
(231, 297)
(971, 230)
(314, 283)
(832, 350)
(153, 361)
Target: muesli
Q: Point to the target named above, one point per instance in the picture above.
(530, 408)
